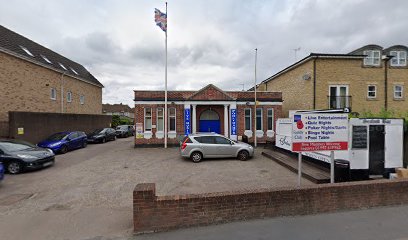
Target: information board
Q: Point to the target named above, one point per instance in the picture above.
(187, 121)
(319, 132)
(233, 121)
(359, 137)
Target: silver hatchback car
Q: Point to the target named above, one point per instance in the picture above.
(211, 145)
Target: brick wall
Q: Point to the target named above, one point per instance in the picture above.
(27, 87)
(153, 213)
(38, 125)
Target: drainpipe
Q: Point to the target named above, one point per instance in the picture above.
(62, 91)
(314, 82)
(386, 59)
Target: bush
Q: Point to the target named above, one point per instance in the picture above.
(118, 120)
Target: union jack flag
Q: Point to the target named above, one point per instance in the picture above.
(160, 19)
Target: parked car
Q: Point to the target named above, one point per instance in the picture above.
(63, 142)
(102, 135)
(211, 145)
(1, 171)
(125, 130)
(18, 156)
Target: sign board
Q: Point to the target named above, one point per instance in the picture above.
(359, 137)
(233, 121)
(187, 125)
(20, 131)
(139, 130)
(319, 132)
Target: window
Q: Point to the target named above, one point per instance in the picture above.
(338, 96)
(270, 118)
(27, 51)
(82, 99)
(248, 125)
(398, 91)
(205, 139)
(372, 91)
(259, 119)
(73, 70)
(63, 67)
(46, 59)
(53, 94)
(160, 119)
(372, 58)
(399, 58)
(69, 96)
(172, 119)
(148, 119)
(221, 140)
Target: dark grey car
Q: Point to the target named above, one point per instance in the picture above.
(210, 145)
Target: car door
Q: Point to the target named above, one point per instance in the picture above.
(224, 147)
(73, 140)
(207, 144)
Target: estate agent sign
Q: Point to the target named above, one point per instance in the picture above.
(319, 132)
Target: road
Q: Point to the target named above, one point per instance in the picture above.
(381, 223)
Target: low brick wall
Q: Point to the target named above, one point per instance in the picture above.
(153, 213)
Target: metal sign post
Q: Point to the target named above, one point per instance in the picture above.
(299, 169)
(332, 167)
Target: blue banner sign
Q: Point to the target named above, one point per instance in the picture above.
(187, 125)
(233, 121)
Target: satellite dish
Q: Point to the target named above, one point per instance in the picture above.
(306, 76)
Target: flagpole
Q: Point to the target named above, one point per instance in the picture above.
(165, 89)
(256, 54)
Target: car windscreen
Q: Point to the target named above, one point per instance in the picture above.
(56, 137)
(100, 130)
(15, 146)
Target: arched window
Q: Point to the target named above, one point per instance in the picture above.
(209, 115)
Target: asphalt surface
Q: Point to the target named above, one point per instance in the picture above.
(381, 223)
(88, 192)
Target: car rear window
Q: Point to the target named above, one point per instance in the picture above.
(205, 139)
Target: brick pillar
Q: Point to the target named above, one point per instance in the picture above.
(144, 196)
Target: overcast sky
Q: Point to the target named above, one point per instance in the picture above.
(209, 41)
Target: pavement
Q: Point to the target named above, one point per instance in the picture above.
(88, 193)
(388, 223)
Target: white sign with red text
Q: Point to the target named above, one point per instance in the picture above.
(319, 132)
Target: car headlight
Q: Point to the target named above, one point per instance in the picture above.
(24, 156)
(49, 150)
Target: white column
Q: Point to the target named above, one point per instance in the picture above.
(226, 122)
(194, 119)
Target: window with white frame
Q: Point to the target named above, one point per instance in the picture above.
(53, 94)
(373, 58)
(372, 91)
(82, 99)
(248, 124)
(259, 119)
(160, 119)
(148, 119)
(69, 96)
(270, 118)
(398, 91)
(172, 119)
(399, 58)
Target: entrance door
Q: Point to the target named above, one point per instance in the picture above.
(376, 149)
(210, 122)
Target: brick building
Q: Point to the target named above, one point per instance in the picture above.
(122, 110)
(370, 78)
(210, 109)
(33, 78)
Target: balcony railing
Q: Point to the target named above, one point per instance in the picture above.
(337, 102)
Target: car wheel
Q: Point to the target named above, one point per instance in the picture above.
(243, 155)
(14, 167)
(103, 140)
(84, 144)
(64, 149)
(196, 157)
